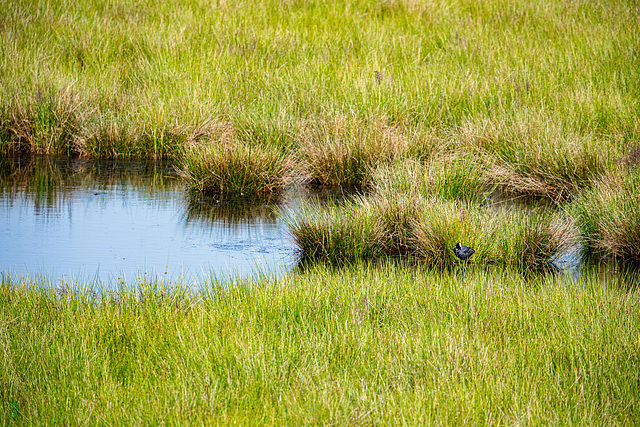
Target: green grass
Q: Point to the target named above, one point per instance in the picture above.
(609, 218)
(448, 176)
(337, 233)
(421, 211)
(546, 93)
(432, 109)
(232, 169)
(343, 151)
(515, 237)
(363, 345)
(530, 158)
(427, 230)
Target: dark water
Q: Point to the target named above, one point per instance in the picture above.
(117, 221)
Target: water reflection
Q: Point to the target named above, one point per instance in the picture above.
(233, 212)
(114, 220)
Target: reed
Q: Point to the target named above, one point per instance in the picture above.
(609, 219)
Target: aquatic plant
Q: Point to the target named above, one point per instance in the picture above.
(114, 139)
(444, 223)
(531, 239)
(513, 236)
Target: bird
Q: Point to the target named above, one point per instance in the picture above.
(463, 252)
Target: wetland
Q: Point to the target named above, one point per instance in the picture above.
(130, 130)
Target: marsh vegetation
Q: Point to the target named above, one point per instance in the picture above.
(363, 344)
(512, 127)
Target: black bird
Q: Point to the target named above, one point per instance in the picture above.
(463, 252)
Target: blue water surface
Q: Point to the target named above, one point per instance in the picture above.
(109, 222)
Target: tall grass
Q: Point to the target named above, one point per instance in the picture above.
(431, 106)
(337, 233)
(512, 237)
(234, 169)
(428, 229)
(609, 218)
(531, 240)
(529, 158)
(449, 176)
(343, 150)
(547, 90)
(422, 210)
(47, 123)
(360, 345)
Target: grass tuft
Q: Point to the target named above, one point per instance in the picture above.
(113, 139)
(337, 233)
(428, 229)
(514, 237)
(230, 168)
(531, 240)
(449, 176)
(609, 218)
(528, 157)
(343, 150)
(44, 123)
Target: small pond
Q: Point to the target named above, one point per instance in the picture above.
(115, 221)
(111, 222)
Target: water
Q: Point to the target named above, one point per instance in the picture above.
(111, 222)
(115, 221)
